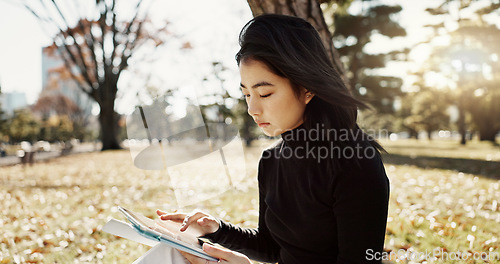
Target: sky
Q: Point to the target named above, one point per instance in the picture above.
(20, 48)
(212, 28)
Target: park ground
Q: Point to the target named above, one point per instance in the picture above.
(445, 198)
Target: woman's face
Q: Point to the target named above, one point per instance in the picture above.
(271, 99)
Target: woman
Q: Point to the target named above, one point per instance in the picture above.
(322, 187)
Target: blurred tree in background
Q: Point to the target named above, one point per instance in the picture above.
(485, 109)
(425, 113)
(23, 126)
(60, 95)
(424, 108)
(96, 47)
(222, 109)
(61, 119)
(469, 61)
(352, 34)
(401, 121)
(3, 121)
(482, 93)
(57, 128)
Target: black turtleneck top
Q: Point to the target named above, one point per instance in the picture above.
(318, 204)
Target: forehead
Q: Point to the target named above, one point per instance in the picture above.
(252, 69)
(255, 73)
(249, 62)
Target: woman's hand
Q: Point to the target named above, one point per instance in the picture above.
(225, 256)
(208, 224)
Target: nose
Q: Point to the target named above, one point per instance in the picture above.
(254, 107)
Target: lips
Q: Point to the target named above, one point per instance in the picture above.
(263, 124)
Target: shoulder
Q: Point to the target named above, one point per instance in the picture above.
(275, 145)
(269, 155)
(368, 155)
(360, 152)
(362, 163)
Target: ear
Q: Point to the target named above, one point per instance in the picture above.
(309, 96)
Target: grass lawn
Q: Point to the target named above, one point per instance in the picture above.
(444, 197)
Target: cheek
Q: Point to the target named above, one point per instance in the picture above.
(297, 109)
(289, 110)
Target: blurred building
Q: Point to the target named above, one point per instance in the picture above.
(61, 95)
(57, 81)
(11, 101)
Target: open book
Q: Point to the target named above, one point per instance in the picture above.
(154, 231)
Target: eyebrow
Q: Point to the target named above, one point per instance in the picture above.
(258, 85)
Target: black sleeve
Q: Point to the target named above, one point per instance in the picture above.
(256, 243)
(361, 206)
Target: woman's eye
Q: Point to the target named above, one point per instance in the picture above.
(262, 96)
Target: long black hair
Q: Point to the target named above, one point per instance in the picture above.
(292, 48)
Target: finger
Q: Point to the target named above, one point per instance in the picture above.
(160, 212)
(189, 219)
(177, 217)
(209, 224)
(204, 221)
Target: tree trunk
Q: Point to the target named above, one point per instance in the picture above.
(108, 119)
(486, 121)
(413, 134)
(461, 121)
(487, 134)
(308, 10)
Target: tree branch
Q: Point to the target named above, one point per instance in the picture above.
(130, 44)
(90, 41)
(80, 62)
(73, 76)
(114, 30)
(102, 23)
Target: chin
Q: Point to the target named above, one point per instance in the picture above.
(272, 132)
(269, 134)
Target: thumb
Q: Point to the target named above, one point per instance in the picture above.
(220, 253)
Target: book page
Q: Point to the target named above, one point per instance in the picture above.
(125, 230)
